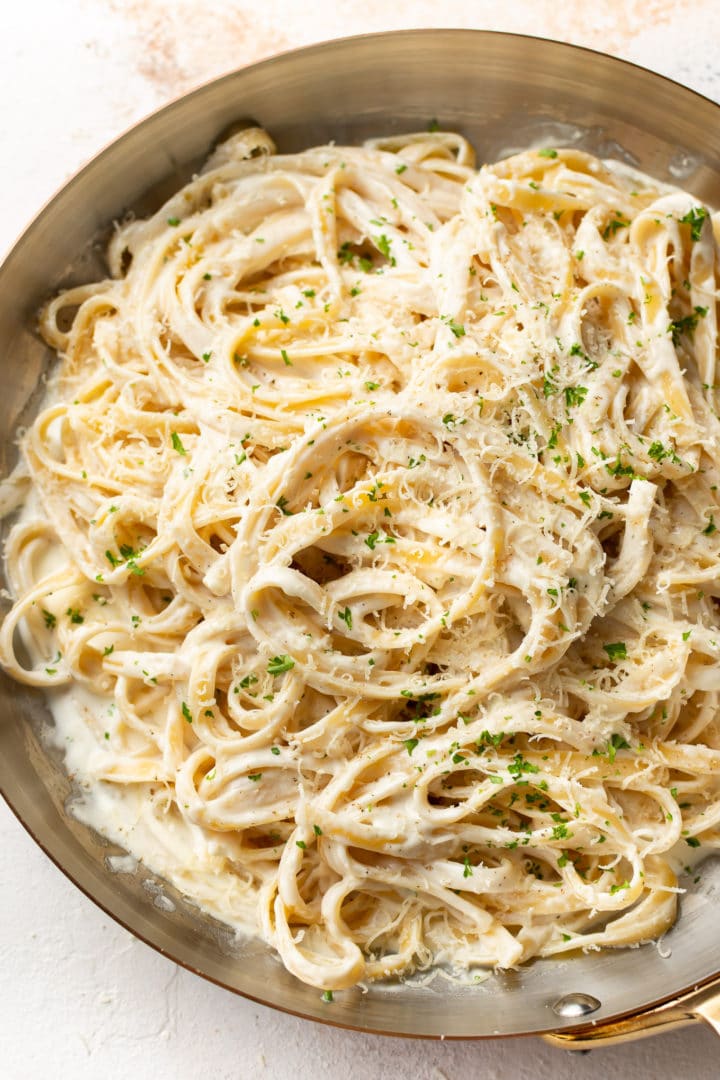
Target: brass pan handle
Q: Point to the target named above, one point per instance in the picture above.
(697, 1005)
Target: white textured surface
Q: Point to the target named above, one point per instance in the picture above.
(80, 997)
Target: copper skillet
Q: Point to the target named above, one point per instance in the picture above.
(504, 92)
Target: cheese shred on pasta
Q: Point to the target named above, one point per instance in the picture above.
(381, 500)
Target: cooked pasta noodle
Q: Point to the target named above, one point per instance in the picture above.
(375, 544)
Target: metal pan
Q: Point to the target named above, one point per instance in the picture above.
(504, 92)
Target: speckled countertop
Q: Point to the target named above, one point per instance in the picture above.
(81, 998)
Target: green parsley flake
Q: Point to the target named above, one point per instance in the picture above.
(687, 325)
(575, 395)
(383, 245)
(280, 664)
(519, 765)
(616, 650)
(616, 223)
(617, 742)
(695, 218)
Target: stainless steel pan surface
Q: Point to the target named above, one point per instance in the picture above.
(504, 92)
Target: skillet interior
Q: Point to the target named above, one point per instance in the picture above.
(504, 92)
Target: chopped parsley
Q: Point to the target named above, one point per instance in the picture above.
(519, 765)
(486, 739)
(695, 218)
(657, 452)
(620, 469)
(549, 387)
(616, 650)
(687, 325)
(457, 328)
(617, 742)
(279, 664)
(575, 395)
(616, 223)
(383, 245)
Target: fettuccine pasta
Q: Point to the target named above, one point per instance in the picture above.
(374, 543)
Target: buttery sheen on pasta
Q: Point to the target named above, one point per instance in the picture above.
(380, 496)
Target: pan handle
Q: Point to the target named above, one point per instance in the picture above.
(697, 1005)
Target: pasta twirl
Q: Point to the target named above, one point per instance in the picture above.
(375, 545)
